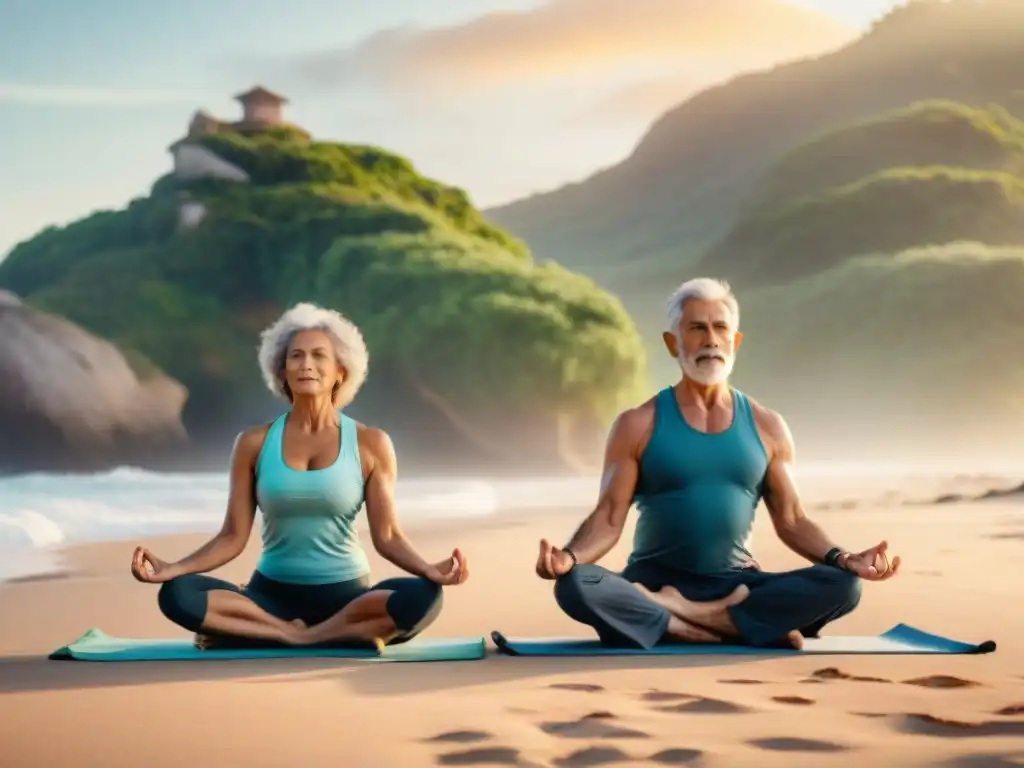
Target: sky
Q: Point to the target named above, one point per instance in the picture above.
(501, 97)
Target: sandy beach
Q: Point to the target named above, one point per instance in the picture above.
(961, 578)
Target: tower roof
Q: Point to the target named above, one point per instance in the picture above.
(259, 93)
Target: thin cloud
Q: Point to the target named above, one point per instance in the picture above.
(641, 100)
(570, 38)
(72, 96)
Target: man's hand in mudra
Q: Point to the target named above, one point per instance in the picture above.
(872, 564)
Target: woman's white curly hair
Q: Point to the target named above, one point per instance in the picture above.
(349, 348)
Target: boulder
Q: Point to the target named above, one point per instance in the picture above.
(70, 401)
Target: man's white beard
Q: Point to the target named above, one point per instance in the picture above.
(708, 371)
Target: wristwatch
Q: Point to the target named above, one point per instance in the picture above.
(571, 554)
(832, 558)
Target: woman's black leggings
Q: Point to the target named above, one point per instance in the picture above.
(413, 605)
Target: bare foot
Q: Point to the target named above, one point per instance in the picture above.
(683, 632)
(672, 600)
(711, 616)
(297, 634)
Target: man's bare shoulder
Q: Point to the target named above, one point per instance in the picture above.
(634, 425)
(771, 423)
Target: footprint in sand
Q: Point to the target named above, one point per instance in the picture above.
(592, 756)
(1012, 709)
(929, 725)
(665, 696)
(834, 673)
(677, 756)
(941, 681)
(987, 760)
(798, 700)
(461, 737)
(983, 760)
(687, 703)
(482, 756)
(596, 725)
(580, 687)
(792, 744)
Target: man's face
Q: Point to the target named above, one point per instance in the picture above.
(705, 342)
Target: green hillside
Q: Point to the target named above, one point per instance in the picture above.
(476, 350)
(638, 226)
(885, 212)
(929, 133)
(902, 351)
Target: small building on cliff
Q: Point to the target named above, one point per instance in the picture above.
(261, 110)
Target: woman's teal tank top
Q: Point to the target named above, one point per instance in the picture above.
(309, 517)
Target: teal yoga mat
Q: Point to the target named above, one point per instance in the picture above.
(901, 639)
(95, 645)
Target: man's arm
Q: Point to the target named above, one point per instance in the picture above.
(601, 529)
(796, 530)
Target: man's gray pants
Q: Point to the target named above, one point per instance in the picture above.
(778, 603)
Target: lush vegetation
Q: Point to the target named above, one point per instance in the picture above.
(908, 138)
(452, 307)
(639, 226)
(854, 195)
(917, 347)
(887, 211)
(927, 133)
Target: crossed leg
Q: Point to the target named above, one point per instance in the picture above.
(392, 611)
(210, 606)
(621, 614)
(763, 609)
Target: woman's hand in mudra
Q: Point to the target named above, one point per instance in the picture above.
(450, 572)
(150, 569)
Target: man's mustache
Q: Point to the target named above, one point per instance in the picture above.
(708, 354)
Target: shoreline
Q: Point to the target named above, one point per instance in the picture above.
(822, 495)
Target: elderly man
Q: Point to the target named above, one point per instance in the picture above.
(696, 459)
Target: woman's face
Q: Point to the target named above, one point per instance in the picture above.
(310, 366)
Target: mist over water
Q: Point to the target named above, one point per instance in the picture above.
(41, 513)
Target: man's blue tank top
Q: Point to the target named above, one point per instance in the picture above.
(697, 492)
(309, 517)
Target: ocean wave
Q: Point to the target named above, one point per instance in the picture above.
(39, 513)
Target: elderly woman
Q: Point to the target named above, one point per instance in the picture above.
(310, 472)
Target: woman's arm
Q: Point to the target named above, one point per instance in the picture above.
(230, 541)
(387, 537)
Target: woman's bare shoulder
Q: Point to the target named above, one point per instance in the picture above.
(249, 443)
(374, 440)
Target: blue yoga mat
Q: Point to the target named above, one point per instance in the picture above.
(901, 639)
(95, 645)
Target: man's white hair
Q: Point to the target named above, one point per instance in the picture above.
(349, 348)
(701, 289)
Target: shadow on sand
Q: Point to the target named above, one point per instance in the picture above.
(366, 678)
